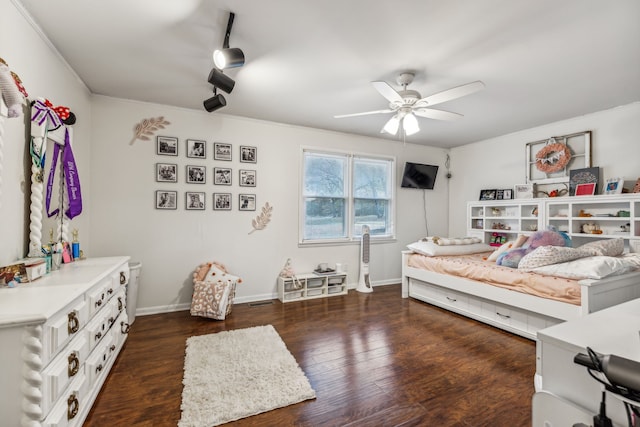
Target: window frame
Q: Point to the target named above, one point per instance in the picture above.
(352, 236)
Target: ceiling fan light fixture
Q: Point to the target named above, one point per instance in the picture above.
(410, 124)
(214, 103)
(392, 125)
(221, 81)
(228, 58)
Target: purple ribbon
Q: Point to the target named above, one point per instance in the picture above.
(72, 181)
(41, 113)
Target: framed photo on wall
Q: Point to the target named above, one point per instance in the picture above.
(166, 199)
(196, 174)
(247, 202)
(221, 151)
(167, 146)
(247, 178)
(166, 172)
(194, 200)
(222, 201)
(248, 154)
(222, 176)
(196, 149)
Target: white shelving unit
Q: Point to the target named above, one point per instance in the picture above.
(311, 286)
(614, 216)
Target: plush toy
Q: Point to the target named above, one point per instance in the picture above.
(548, 237)
(11, 93)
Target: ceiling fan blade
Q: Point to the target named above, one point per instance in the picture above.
(453, 93)
(431, 113)
(387, 91)
(363, 114)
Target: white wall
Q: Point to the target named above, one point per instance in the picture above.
(500, 162)
(44, 74)
(170, 244)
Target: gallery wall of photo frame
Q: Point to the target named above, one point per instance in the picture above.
(195, 150)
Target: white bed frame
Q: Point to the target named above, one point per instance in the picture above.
(513, 311)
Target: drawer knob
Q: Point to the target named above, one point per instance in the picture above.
(72, 406)
(124, 327)
(74, 364)
(98, 303)
(119, 303)
(98, 335)
(113, 347)
(110, 291)
(504, 316)
(98, 368)
(73, 324)
(123, 278)
(451, 299)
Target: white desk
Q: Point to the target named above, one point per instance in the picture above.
(615, 330)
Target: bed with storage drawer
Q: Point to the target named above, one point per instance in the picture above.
(518, 301)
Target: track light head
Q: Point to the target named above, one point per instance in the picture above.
(228, 58)
(221, 81)
(214, 103)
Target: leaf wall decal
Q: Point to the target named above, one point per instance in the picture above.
(147, 127)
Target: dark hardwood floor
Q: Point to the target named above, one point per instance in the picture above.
(373, 360)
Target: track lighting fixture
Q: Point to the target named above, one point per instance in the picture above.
(214, 103)
(223, 58)
(228, 58)
(219, 80)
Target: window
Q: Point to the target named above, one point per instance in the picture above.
(342, 192)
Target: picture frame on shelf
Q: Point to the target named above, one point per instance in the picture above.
(196, 149)
(587, 189)
(166, 199)
(195, 200)
(614, 186)
(222, 176)
(166, 146)
(166, 172)
(507, 194)
(222, 151)
(247, 178)
(246, 202)
(222, 201)
(248, 154)
(488, 194)
(523, 191)
(583, 176)
(196, 174)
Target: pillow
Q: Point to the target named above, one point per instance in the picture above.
(432, 249)
(446, 241)
(520, 241)
(611, 247)
(502, 249)
(592, 267)
(546, 255)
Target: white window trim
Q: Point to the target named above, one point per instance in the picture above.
(350, 239)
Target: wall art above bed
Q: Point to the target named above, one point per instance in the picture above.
(549, 161)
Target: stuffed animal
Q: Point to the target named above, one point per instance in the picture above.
(548, 237)
(10, 90)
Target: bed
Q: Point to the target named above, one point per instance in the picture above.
(510, 304)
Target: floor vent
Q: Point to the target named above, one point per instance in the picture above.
(259, 303)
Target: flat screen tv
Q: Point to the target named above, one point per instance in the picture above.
(417, 175)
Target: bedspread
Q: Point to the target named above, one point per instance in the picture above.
(474, 267)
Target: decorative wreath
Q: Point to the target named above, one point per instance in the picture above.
(553, 158)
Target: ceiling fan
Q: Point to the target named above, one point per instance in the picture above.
(407, 104)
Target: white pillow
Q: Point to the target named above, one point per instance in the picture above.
(502, 249)
(593, 267)
(432, 249)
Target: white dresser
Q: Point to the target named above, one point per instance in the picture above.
(59, 337)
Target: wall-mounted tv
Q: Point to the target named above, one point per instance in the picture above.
(417, 175)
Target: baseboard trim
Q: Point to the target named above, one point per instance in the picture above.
(146, 311)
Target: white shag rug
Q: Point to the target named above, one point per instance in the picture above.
(236, 374)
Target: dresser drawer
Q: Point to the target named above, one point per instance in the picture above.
(100, 294)
(68, 364)
(62, 327)
(66, 410)
(100, 357)
(98, 327)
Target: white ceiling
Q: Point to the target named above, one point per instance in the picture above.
(306, 61)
